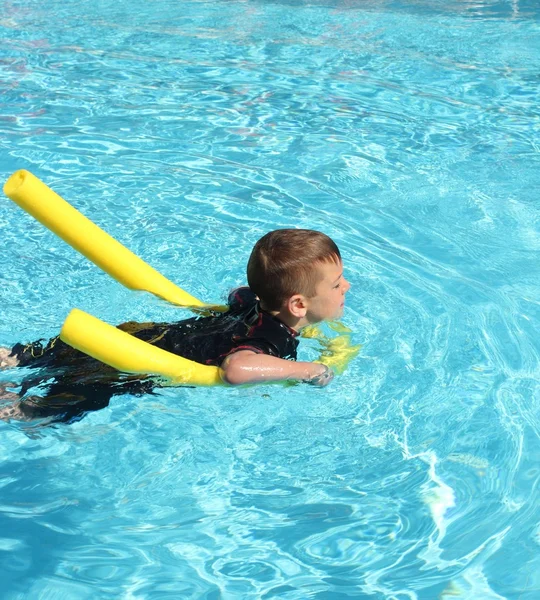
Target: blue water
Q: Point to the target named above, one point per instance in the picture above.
(410, 133)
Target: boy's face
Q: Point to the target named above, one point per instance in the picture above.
(329, 299)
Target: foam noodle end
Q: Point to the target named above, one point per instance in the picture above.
(15, 182)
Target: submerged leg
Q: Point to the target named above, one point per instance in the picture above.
(13, 410)
(7, 360)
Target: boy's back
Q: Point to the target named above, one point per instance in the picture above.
(76, 383)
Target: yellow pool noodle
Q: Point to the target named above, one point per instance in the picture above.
(105, 342)
(128, 354)
(73, 227)
(336, 352)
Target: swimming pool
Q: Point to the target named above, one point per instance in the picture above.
(409, 132)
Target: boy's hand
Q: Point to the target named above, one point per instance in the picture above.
(322, 377)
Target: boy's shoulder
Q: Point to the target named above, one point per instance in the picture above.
(264, 333)
(241, 298)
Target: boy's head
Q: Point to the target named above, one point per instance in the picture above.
(289, 262)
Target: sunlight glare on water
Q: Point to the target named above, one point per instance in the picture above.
(408, 132)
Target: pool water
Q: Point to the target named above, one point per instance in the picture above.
(407, 131)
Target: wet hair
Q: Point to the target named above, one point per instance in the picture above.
(283, 263)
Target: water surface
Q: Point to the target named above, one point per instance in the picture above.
(409, 132)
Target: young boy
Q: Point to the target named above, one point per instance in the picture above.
(295, 279)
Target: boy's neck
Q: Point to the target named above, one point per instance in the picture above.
(294, 323)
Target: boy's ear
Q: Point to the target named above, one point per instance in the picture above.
(297, 306)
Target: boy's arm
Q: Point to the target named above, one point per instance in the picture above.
(246, 366)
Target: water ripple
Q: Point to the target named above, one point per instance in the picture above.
(409, 134)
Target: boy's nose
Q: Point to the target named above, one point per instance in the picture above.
(346, 286)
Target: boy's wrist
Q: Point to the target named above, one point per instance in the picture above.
(321, 375)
